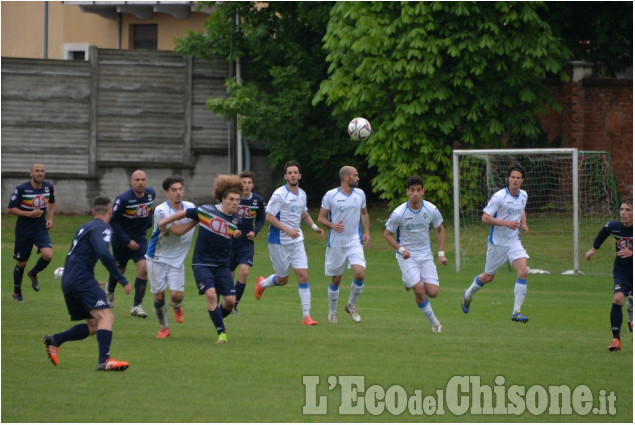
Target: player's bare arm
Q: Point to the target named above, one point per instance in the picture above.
(308, 220)
(589, 254)
(624, 253)
(271, 219)
(390, 238)
(51, 213)
(174, 217)
(493, 221)
(31, 213)
(180, 229)
(523, 223)
(366, 225)
(324, 221)
(441, 238)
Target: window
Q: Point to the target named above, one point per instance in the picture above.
(76, 51)
(144, 36)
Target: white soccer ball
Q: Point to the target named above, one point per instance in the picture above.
(58, 273)
(359, 129)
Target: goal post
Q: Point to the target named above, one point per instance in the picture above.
(559, 182)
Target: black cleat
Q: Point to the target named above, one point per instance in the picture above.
(18, 297)
(34, 282)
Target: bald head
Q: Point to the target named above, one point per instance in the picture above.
(349, 178)
(139, 181)
(37, 175)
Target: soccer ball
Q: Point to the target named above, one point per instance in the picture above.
(359, 129)
(58, 273)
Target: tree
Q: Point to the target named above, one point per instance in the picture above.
(431, 76)
(280, 45)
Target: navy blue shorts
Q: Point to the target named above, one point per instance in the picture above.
(24, 244)
(80, 299)
(123, 254)
(219, 278)
(622, 281)
(241, 254)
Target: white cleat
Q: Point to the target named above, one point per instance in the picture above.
(350, 309)
(333, 318)
(436, 328)
(138, 311)
(110, 296)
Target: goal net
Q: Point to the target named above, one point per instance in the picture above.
(571, 195)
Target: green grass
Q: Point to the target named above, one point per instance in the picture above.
(258, 376)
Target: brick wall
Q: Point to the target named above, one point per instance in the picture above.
(597, 114)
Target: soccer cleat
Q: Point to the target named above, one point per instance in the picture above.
(51, 349)
(629, 327)
(163, 333)
(258, 290)
(350, 309)
(465, 303)
(236, 310)
(436, 328)
(34, 282)
(110, 296)
(333, 318)
(222, 338)
(138, 311)
(517, 317)
(112, 364)
(308, 321)
(179, 316)
(18, 298)
(615, 345)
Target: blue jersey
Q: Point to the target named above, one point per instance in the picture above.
(252, 214)
(91, 243)
(27, 198)
(132, 216)
(215, 233)
(623, 237)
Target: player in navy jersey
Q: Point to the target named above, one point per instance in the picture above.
(408, 231)
(252, 214)
(340, 212)
(505, 213)
(622, 232)
(131, 218)
(218, 224)
(31, 202)
(85, 300)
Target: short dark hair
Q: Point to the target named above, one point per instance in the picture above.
(101, 204)
(627, 201)
(291, 164)
(515, 166)
(413, 181)
(248, 174)
(169, 181)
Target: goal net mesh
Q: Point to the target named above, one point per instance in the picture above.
(549, 185)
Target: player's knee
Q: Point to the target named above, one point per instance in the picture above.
(618, 298)
(281, 281)
(486, 278)
(47, 256)
(431, 291)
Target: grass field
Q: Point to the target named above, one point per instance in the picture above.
(258, 376)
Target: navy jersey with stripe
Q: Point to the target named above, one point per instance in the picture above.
(623, 237)
(27, 198)
(90, 243)
(252, 214)
(215, 233)
(132, 216)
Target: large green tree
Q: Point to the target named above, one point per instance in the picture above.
(280, 48)
(431, 76)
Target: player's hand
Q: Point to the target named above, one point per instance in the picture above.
(49, 224)
(625, 253)
(251, 235)
(442, 260)
(338, 227)
(366, 238)
(514, 225)
(405, 254)
(127, 289)
(293, 233)
(36, 213)
(525, 229)
(237, 233)
(589, 254)
(321, 232)
(101, 283)
(133, 245)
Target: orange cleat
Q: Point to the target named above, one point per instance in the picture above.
(258, 290)
(163, 333)
(178, 314)
(615, 345)
(112, 364)
(308, 321)
(51, 349)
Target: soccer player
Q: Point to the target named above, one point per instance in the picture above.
(505, 212)
(411, 222)
(340, 212)
(285, 210)
(166, 254)
(84, 297)
(30, 202)
(218, 224)
(252, 213)
(622, 232)
(131, 218)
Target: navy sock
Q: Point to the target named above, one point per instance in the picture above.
(104, 338)
(39, 266)
(616, 320)
(217, 319)
(240, 288)
(224, 312)
(112, 283)
(76, 333)
(139, 290)
(17, 279)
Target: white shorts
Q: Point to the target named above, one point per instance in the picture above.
(336, 258)
(285, 256)
(497, 255)
(163, 276)
(414, 270)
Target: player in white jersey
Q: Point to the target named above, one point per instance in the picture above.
(166, 254)
(340, 212)
(411, 222)
(505, 212)
(285, 210)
